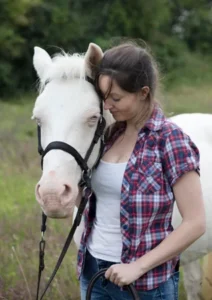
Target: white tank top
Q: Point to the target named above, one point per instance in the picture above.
(105, 240)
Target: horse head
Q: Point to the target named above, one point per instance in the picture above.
(67, 110)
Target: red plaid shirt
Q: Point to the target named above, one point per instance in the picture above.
(161, 155)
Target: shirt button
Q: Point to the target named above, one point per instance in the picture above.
(151, 143)
(125, 226)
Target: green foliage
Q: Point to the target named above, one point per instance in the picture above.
(192, 23)
(170, 28)
(170, 57)
(13, 17)
(198, 31)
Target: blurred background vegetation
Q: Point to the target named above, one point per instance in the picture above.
(173, 29)
(179, 34)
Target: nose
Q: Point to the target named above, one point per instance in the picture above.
(107, 104)
(47, 195)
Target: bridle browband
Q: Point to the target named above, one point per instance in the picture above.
(85, 183)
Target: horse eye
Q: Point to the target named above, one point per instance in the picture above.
(94, 118)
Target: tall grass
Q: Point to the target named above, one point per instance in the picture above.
(188, 89)
(20, 215)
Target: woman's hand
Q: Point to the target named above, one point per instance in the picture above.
(123, 274)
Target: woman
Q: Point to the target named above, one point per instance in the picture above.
(148, 164)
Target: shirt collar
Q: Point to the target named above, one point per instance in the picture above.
(156, 120)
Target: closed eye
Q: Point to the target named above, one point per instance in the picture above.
(116, 99)
(93, 120)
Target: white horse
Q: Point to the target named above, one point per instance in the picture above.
(199, 127)
(67, 109)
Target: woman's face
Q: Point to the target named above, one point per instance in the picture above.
(124, 106)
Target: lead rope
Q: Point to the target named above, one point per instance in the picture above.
(87, 193)
(41, 253)
(131, 289)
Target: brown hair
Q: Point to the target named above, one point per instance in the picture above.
(132, 67)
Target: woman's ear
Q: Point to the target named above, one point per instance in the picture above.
(144, 92)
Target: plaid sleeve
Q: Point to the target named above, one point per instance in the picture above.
(180, 155)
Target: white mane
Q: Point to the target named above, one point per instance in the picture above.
(64, 66)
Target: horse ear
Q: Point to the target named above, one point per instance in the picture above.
(41, 61)
(93, 56)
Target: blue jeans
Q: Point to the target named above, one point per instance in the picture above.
(104, 289)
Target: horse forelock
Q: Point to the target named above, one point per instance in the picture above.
(64, 66)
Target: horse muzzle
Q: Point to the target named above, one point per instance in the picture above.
(56, 198)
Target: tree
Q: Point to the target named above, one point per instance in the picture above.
(12, 44)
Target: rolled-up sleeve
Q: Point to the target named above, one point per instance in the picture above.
(180, 155)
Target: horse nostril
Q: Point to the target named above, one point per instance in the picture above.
(66, 192)
(37, 192)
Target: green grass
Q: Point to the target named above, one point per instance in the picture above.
(189, 89)
(20, 215)
(185, 98)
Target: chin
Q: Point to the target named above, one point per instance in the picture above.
(118, 118)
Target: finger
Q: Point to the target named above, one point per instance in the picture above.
(116, 281)
(108, 273)
(120, 284)
(113, 277)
